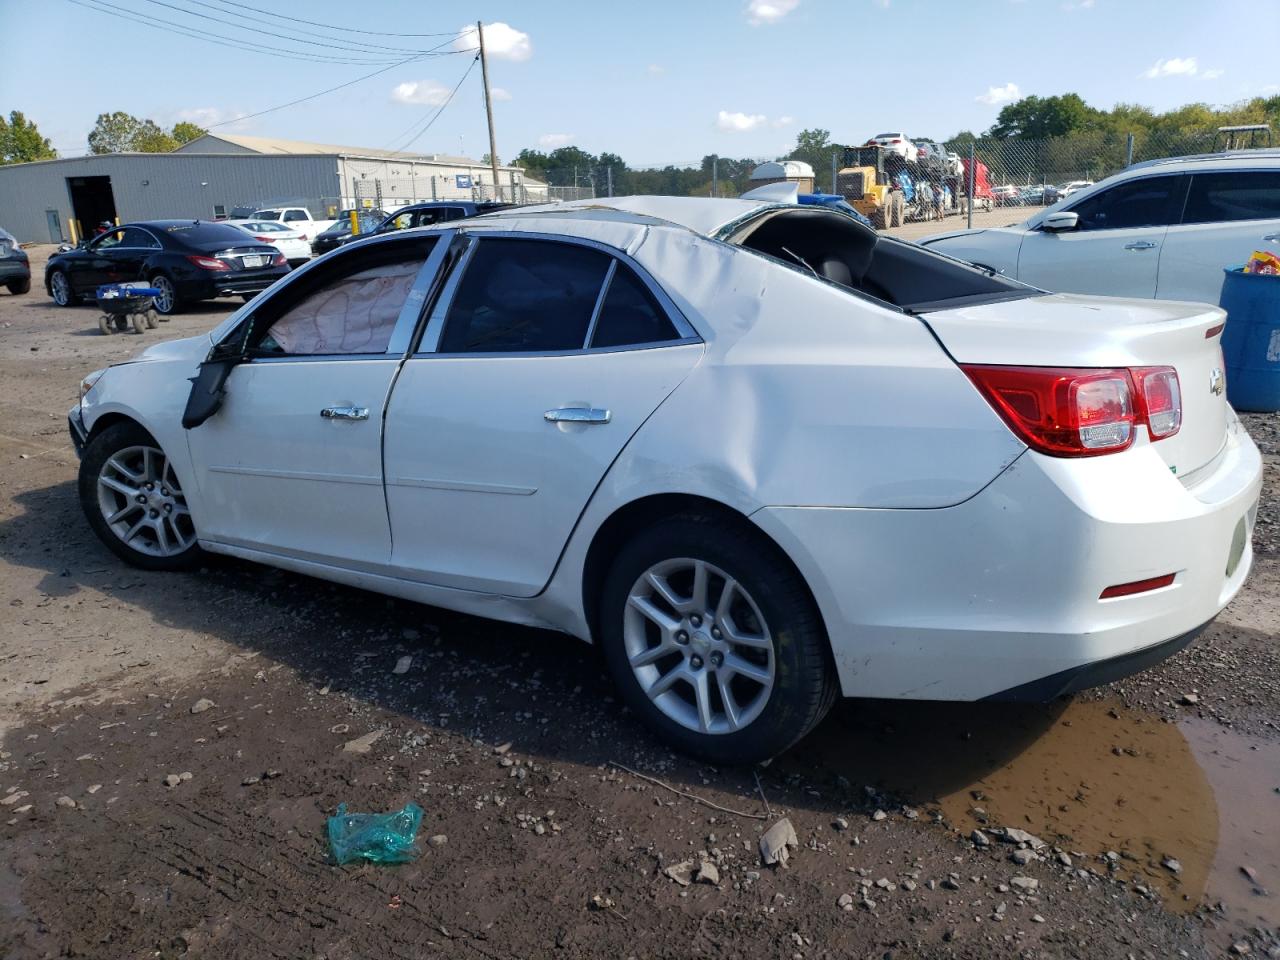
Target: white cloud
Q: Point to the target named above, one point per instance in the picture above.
(1173, 67)
(1070, 5)
(656, 68)
(426, 92)
(501, 41)
(784, 121)
(500, 93)
(769, 11)
(553, 140)
(1212, 73)
(997, 95)
(739, 122)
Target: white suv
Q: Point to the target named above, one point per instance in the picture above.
(1163, 229)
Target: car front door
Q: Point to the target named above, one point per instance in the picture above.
(124, 260)
(1115, 249)
(1228, 215)
(292, 462)
(91, 267)
(539, 363)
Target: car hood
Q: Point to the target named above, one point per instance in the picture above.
(188, 348)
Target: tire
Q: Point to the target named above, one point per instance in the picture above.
(60, 289)
(167, 304)
(106, 324)
(19, 287)
(778, 630)
(144, 534)
(882, 217)
(899, 209)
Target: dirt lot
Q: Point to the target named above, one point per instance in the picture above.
(1142, 803)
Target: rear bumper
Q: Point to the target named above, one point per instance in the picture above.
(229, 284)
(1000, 595)
(11, 270)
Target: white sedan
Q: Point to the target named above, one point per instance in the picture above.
(292, 243)
(760, 454)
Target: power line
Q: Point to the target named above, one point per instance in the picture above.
(372, 47)
(449, 99)
(101, 6)
(327, 26)
(279, 36)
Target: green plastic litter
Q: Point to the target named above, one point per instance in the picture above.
(378, 837)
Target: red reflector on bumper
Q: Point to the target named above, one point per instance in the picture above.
(1138, 586)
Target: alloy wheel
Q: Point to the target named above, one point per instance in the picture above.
(699, 646)
(143, 504)
(164, 299)
(60, 287)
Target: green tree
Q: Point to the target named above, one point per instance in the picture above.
(185, 132)
(21, 142)
(122, 132)
(1038, 118)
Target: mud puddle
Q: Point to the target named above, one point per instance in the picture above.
(1177, 810)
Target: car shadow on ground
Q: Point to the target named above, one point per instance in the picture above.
(491, 678)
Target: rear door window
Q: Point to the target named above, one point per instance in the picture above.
(525, 296)
(1147, 202)
(630, 314)
(1229, 196)
(291, 216)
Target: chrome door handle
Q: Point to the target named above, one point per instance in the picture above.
(578, 415)
(345, 413)
(1140, 245)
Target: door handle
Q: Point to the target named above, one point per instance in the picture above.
(1272, 237)
(578, 415)
(345, 413)
(1140, 245)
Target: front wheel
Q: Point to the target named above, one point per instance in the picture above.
(60, 289)
(714, 641)
(166, 300)
(134, 501)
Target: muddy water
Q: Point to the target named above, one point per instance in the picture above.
(1087, 777)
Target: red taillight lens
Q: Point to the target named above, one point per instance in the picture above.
(1137, 586)
(302, 236)
(1160, 396)
(1063, 412)
(263, 239)
(208, 263)
(279, 260)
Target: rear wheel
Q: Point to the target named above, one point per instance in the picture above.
(166, 300)
(882, 216)
(60, 289)
(19, 287)
(134, 502)
(899, 210)
(714, 641)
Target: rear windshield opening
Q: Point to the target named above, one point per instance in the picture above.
(840, 250)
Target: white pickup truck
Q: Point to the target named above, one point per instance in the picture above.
(295, 218)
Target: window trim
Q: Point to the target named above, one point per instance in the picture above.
(1191, 184)
(434, 330)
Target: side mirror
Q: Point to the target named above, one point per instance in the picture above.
(207, 390)
(1061, 221)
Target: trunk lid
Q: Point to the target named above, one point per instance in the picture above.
(1065, 330)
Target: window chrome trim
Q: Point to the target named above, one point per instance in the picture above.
(411, 311)
(435, 326)
(595, 312)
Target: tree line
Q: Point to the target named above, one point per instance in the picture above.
(118, 132)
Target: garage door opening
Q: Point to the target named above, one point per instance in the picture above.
(92, 203)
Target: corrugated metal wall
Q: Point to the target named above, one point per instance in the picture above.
(159, 186)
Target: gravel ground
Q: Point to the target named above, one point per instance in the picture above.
(549, 848)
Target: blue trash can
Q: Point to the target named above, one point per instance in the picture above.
(1251, 341)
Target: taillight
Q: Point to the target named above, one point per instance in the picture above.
(1072, 412)
(302, 236)
(263, 239)
(279, 260)
(208, 263)
(1161, 398)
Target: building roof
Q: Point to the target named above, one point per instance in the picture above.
(277, 145)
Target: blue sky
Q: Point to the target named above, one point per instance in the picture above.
(656, 82)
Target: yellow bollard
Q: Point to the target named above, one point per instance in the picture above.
(355, 223)
(75, 231)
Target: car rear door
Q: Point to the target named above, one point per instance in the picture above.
(540, 362)
(1228, 215)
(1115, 249)
(292, 462)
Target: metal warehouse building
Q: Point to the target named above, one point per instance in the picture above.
(58, 200)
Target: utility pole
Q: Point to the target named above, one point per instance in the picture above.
(715, 176)
(488, 110)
